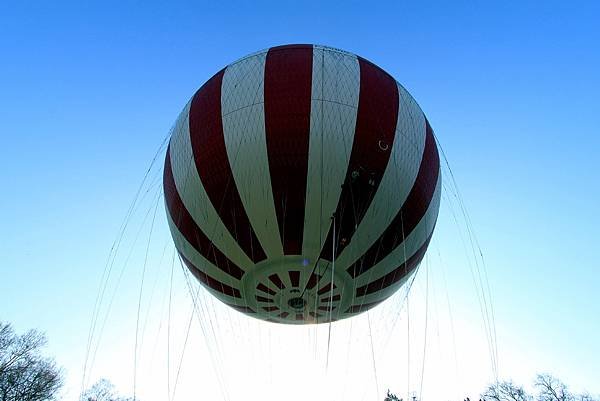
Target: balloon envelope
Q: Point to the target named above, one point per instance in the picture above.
(302, 184)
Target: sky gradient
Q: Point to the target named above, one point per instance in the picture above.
(88, 91)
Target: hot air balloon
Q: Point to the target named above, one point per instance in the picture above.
(302, 184)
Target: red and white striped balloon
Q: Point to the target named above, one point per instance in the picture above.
(302, 184)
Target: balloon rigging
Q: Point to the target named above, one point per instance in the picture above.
(302, 186)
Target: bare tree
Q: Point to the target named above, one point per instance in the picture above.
(505, 391)
(103, 390)
(391, 397)
(26, 375)
(549, 389)
(552, 389)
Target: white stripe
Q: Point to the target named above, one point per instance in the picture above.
(381, 296)
(396, 183)
(242, 106)
(194, 196)
(198, 260)
(404, 250)
(334, 103)
(224, 298)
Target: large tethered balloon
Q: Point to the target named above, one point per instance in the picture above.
(296, 166)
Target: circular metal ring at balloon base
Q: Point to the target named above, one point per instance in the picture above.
(297, 303)
(286, 293)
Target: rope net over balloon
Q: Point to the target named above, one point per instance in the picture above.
(301, 186)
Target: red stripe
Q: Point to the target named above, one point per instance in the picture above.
(212, 163)
(188, 227)
(363, 307)
(373, 140)
(277, 281)
(209, 281)
(395, 275)
(325, 289)
(244, 309)
(333, 298)
(294, 278)
(411, 212)
(263, 299)
(266, 289)
(270, 308)
(287, 90)
(313, 280)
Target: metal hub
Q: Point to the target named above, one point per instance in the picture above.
(297, 303)
(292, 290)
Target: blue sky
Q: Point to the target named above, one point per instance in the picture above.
(88, 90)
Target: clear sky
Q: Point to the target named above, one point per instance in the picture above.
(88, 91)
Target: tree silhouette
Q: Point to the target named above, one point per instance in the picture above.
(548, 388)
(26, 375)
(102, 390)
